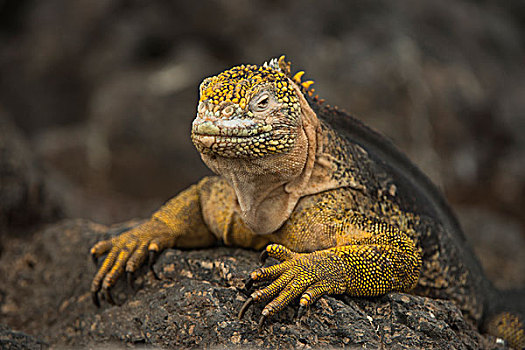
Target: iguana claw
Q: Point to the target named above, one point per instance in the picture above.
(94, 258)
(109, 297)
(94, 297)
(263, 257)
(248, 284)
(131, 280)
(245, 307)
(152, 257)
(301, 311)
(261, 323)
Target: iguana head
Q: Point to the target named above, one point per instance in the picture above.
(248, 111)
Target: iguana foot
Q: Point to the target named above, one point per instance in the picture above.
(127, 252)
(309, 276)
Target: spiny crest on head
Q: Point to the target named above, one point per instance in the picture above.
(237, 85)
(285, 67)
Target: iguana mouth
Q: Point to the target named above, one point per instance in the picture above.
(237, 137)
(243, 128)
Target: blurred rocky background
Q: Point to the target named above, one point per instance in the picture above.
(96, 102)
(97, 98)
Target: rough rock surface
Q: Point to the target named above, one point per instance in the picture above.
(11, 340)
(45, 293)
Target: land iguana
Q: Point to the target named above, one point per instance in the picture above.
(335, 202)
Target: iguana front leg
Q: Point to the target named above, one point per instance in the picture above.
(381, 259)
(179, 223)
(196, 218)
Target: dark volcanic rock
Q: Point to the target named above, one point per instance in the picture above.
(11, 340)
(45, 293)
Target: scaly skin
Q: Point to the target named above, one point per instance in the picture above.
(338, 206)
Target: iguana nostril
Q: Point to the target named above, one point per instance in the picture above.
(201, 108)
(228, 111)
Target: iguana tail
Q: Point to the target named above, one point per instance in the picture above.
(506, 324)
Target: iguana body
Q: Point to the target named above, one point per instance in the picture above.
(335, 202)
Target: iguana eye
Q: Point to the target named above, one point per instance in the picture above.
(261, 103)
